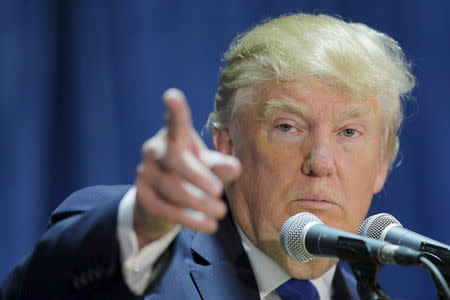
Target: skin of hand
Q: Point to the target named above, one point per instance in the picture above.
(180, 181)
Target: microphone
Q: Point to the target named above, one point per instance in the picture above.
(385, 227)
(304, 237)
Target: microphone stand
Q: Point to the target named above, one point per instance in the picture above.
(441, 258)
(365, 271)
(366, 275)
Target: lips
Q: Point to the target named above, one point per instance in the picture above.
(315, 202)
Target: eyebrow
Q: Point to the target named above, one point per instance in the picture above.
(352, 112)
(276, 105)
(355, 112)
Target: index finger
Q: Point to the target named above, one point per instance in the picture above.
(179, 122)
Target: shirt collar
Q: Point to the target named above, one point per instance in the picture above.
(269, 275)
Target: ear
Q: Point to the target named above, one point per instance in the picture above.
(222, 141)
(380, 179)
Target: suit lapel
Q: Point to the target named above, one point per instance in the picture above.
(344, 284)
(221, 268)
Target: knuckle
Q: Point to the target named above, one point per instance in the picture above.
(156, 147)
(147, 173)
(172, 159)
(144, 197)
(193, 202)
(169, 190)
(149, 144)
(140, 170)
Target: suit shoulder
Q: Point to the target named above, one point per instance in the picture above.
(86, 199)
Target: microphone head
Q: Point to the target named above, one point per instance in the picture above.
(293, 234)
(378, 225)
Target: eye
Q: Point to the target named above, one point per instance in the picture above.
(350, 132)
(285, 127)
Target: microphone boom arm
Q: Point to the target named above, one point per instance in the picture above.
(365, 271)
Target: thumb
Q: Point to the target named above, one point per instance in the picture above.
(226, 167)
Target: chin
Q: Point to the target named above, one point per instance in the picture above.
(302, 270)
(309, 270)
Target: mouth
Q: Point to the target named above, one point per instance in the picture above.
(315, 203)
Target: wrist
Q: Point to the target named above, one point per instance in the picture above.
(149, 228)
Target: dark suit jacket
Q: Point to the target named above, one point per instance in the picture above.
(78, 258)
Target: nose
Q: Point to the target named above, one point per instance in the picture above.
(319, 160)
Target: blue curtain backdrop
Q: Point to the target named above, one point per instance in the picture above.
(81, 83)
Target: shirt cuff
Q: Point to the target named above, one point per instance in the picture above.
(137, 266)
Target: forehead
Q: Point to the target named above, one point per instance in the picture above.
(309, 97)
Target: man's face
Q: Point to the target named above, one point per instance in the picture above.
(304, 147)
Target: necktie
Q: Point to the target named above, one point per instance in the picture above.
(296, 289)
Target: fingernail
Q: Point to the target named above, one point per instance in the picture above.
(217, 186)
(195, 164)
(192, 189)
(195, 214)
(232, 160)
(173, 93)
(212, 158)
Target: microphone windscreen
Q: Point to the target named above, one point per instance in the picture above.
(293, 234)
(375, 226)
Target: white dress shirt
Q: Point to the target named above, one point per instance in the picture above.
(269, 275)
(137, 266)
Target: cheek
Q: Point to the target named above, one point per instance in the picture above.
(265, 159)
(360, 162)
(261, 168)
(268, 173)
(357, 176)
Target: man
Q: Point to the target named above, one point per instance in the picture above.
(310, 107)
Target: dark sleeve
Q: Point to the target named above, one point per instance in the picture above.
(78, 257)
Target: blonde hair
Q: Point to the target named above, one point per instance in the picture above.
(364, 61)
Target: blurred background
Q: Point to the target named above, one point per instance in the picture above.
(81, 84)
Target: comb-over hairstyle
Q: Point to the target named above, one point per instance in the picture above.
(349, 56)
